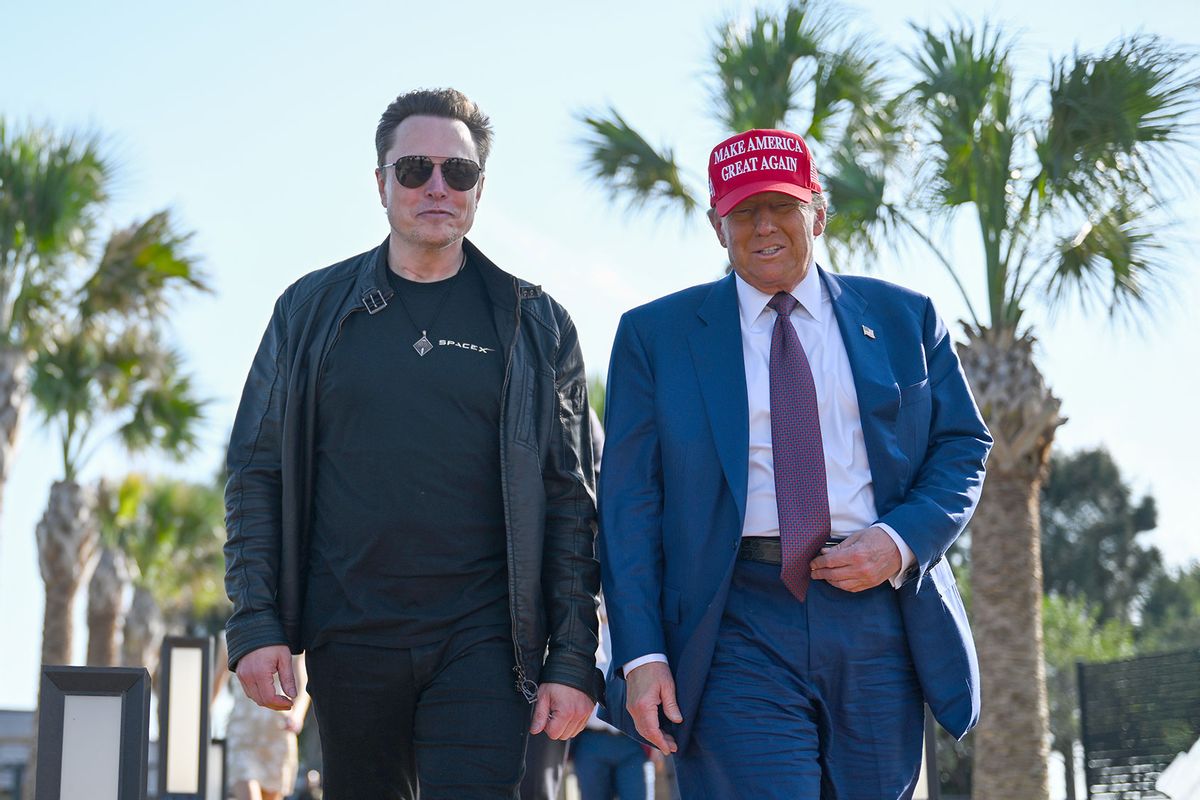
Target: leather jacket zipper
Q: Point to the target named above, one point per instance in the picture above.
(526, 687)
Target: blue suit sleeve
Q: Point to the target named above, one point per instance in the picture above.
(631, 502)
(949, 478)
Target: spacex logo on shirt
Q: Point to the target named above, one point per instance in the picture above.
(465, 346)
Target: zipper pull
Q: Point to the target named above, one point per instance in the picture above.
(526, 687)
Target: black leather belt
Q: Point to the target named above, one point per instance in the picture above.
(767, 550)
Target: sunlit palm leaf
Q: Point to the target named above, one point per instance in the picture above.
(51, 187)
(64, 379)
(142, 266)
(117, 508)
(173, 531)
(1113, 261)
(1115, 117)
(621, 159)
(757, 80)
(860, 220)
(165, 413)
(965, 97)
(851, 84)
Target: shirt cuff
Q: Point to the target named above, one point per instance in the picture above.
(630, 666)
(907, 557)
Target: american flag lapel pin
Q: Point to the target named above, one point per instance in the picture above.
(867, 332)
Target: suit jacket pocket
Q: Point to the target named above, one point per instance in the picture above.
(916, 409)
(916, 393)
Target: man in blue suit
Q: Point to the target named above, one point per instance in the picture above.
(790, 454)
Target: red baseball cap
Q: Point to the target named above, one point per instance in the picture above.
(760, 161)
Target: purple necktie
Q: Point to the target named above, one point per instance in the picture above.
(801, 492)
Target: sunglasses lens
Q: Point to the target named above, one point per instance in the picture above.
(413, 171)
(460, 174)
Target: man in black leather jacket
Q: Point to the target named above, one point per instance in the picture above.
(411, 494)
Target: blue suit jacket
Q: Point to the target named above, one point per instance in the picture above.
(673, 487)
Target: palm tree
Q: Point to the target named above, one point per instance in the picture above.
(799, 69)
(171, 533)
(101, 371)
(109, 591)
(51, 188)
(106, 364)
(1065, 200)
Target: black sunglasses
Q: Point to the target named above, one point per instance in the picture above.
(412, 172)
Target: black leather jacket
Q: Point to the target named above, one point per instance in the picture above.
(545, 455)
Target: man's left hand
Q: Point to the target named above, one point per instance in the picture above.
(561, 711)
(862, 561)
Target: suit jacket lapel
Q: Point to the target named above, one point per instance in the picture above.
(863, 333)
(717, 355)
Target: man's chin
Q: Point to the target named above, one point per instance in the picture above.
(435, 239)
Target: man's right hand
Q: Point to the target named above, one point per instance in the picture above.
(256, 670)
(646, 688)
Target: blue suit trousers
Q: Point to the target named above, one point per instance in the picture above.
(609, 765)
(814, 700)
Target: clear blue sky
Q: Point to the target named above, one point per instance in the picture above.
(254, 122)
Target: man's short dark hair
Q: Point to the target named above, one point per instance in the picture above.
(447, 103)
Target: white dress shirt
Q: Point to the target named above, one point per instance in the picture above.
(847, 471)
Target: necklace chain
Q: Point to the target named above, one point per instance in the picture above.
(423, 345)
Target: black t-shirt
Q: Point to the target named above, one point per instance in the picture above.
(408, 537)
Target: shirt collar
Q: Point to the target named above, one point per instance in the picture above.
(809, 293)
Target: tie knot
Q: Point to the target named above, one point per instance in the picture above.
(783, 304)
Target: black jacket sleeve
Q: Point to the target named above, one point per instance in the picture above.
(253, 497)
(570, 572)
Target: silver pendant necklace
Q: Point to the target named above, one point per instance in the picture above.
(423, 345)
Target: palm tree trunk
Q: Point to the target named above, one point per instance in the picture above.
(1012, 742)
(108, 603)
(14, 388)
(144, 630)
(67, 536)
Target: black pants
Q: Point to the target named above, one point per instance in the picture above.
(446, 717)
(545, 759)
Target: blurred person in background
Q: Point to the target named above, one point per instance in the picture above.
(260, 744)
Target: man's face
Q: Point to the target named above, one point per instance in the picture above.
(431, 216)
(769, 237)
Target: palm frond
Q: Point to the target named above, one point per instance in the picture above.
(1116, 117)
(965, 100)
(63, 378)
(165, 413)
(51, 188)
(174, 535)
(851, 86)
(143, 265)
(964, 94)
(1112, 261)
(117, 507)
(757, 83)
(620, 159)
(860, 220)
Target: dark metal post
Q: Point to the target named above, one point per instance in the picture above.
(93, 734)
(183, 763)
